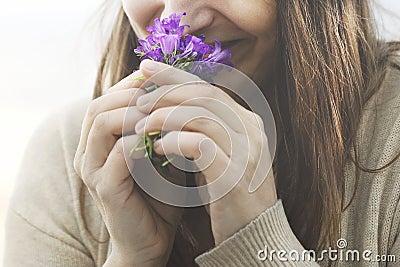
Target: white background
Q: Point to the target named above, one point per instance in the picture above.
(48, 57)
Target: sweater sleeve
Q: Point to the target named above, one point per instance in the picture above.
(41, 229)
(262, 242)
(393, 257)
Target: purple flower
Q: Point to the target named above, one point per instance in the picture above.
(195, 46)
(219, 55)
(166, 43)
(158, 28)
(169, 43)
(168, 25)
(149, 50)
(172, 24)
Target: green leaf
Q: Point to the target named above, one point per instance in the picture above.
(154, 133)
(140, 78)
(168, 161)
(134, 148)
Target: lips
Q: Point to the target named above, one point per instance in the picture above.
(230, 44)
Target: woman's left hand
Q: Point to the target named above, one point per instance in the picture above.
(212, 130)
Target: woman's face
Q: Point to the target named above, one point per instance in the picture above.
(246, 27)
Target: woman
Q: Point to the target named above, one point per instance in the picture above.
(333, 88)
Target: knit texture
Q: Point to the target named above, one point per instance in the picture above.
(53, 221)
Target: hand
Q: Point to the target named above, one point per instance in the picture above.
(141, 230)
(214, 131)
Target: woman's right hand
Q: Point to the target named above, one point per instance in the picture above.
(141, 229)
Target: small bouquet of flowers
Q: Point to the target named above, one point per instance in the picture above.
(167, 43)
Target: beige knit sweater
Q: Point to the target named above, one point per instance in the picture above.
(45, 226)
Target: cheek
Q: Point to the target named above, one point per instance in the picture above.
(258, 18)
(260, 21)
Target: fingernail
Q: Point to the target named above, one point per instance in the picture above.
(140, 125)
(156, 144)
(150, 65)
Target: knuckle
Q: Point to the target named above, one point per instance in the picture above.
(100, 121)
(93, 108)
(202, 123)
(133, 94)
(201, 119)
(167, 100)
(204, 116)
(155, 118)
(88, 176)
(119, 147)
(198, 149)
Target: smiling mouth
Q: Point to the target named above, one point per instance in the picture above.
(228, 44)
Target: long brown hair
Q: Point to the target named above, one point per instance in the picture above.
(329, 63)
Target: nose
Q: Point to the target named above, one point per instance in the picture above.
(199, 13)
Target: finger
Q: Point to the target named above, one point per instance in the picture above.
(163, 74)
(134, 80)
(102, 104)
(189, 118)
(118, 179)
(106, 129)
(114, 175)
(207, 156)
(199, 94)
(117, 190)
(119, 161)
